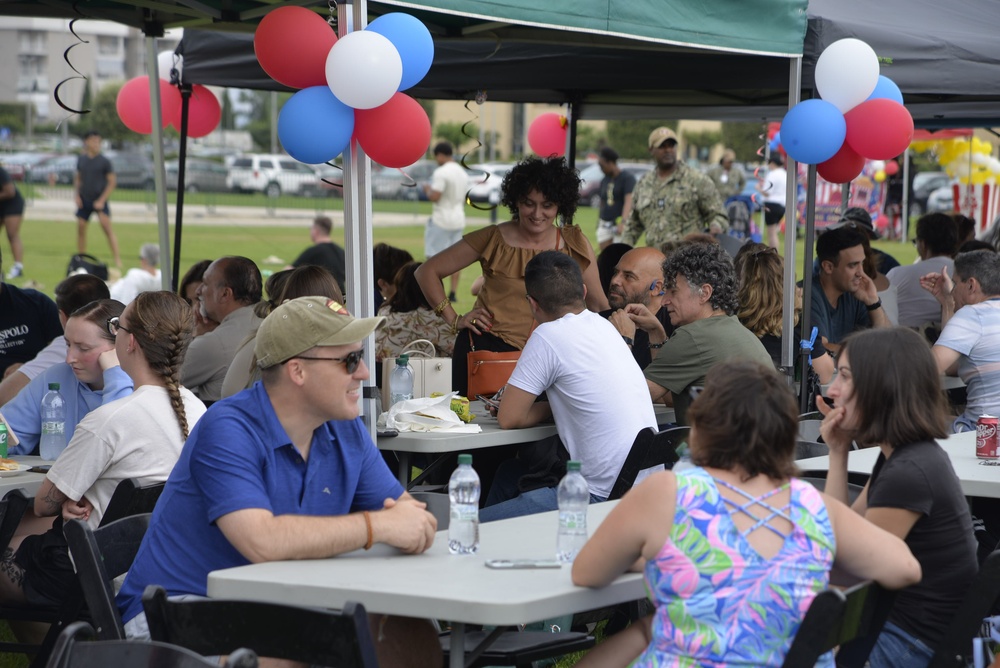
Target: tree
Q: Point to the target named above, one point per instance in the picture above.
(631, 138)
(228, 121)
(702, 142)
(12, 116)
(452, 131)
(746, 139)
(588, 139)
(103, 117)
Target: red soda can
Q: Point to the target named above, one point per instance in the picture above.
(987, 443)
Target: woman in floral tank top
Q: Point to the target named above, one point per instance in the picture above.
(733, 549)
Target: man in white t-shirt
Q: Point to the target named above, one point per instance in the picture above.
(447, 190)
(144, 278)
(594, 390)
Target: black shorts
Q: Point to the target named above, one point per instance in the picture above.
(49, 578)
(84, 211)
(773, 213)
(12, 207)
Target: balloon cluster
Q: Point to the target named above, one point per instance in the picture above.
(350, 88)
(547, 135)
(133, 106)
(861, 115)
(968, 159)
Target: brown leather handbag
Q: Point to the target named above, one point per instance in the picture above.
(488, 370)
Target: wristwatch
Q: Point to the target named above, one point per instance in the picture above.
(874, 307)
(628, 340)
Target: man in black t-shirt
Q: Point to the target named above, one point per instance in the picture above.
(93, 183)
(28, 322)
(616, 198)
(324, 252)
(638, 279)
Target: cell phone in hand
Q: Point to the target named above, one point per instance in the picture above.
(489, 402)
(507, 564)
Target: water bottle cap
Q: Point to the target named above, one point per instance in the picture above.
(53, 386)
(572, 465)
(465, 459)
(403, 360)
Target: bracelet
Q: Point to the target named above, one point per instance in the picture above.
(874, 307)
(628, 340)
(656, 346)
(439, 309)
(368, 524)
(454, 325)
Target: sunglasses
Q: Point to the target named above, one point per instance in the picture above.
(352, 360)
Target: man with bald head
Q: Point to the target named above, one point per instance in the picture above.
(638, 279)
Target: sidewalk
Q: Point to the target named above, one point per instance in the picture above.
(199, 214)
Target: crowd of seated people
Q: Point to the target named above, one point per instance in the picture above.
(124, 369)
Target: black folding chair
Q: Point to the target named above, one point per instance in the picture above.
(851, 619)
(69, 652)
(650, 448)
(100, 556)
(131, 499)
(978, 602)
(339, 639)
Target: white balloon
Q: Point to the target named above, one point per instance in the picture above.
(878, 165)
(846, 73)
(363, 69)
(167, 60)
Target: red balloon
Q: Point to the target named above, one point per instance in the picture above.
(547, 135)
(843, 167)
(891, 168)
(879, 129)
(134, 107)
(395, 134)
(204, 112)
(291, 44)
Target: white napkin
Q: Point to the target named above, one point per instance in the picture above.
(427, 414)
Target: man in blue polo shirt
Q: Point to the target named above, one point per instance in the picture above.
(283, 470)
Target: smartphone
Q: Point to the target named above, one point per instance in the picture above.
(386, 433)
(489, 402)
(505, 564)
(40, 469)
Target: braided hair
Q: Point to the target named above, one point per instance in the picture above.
(162, 324)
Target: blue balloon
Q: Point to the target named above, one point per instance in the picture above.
(413, 41)
(886, 88)
(314, 126)
(813, 131)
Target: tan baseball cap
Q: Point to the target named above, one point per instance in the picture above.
(660, 135)
(307, 322)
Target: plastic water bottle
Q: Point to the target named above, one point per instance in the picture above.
(684, 462)
(53, 423)
(463, 491)
(401, 381)
(574, 498)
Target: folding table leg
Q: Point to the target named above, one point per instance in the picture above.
(456, 656)
(404, 468)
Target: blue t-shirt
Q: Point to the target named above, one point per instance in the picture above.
(238, 457)
(24, 412)
(836, 322)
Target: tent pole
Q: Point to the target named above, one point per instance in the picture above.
(159, 176)
(904, 212)
(353, 15)
(573, 111)
(790, 343)
(807, 261)
(181, 182)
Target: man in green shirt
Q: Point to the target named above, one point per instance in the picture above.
(672, 200)
(701, 300)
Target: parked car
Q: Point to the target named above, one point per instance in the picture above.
(132, 170)
(924, 183)
(272, 175)
(485, 180)
(58, 169)
(19, 164)
(419, 173)
(329, 178)
(199, 175)
(591, 177)
(941, 199)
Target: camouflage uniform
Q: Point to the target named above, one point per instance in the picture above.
(734, 181)
(668, 210)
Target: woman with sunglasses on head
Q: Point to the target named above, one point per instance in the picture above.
(886, 394)
(735, 548)
(89, 378)
(138, 437)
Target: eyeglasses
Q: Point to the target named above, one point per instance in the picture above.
(352, 360)
(114, 324)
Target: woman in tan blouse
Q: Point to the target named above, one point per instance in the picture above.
(536, 191)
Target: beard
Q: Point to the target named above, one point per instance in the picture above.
(619, 299)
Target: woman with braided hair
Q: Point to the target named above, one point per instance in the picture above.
(139, 437)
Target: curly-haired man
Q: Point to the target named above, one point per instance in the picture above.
(701, 300)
